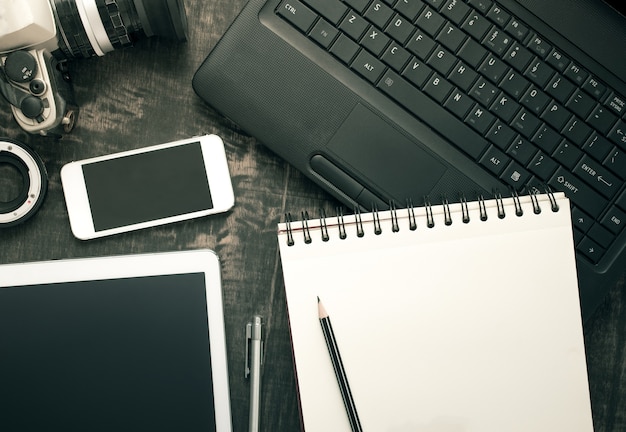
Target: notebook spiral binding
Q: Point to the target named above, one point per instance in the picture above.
(411, 215)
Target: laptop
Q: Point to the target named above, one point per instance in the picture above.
(380, 101)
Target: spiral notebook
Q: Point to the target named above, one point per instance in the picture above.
(455, 317)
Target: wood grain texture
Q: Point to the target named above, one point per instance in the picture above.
(141, 96)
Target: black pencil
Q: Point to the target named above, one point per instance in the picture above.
(340, 372)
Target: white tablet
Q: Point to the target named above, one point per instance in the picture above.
(121, 343)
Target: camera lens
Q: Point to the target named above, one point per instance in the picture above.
(95, 27)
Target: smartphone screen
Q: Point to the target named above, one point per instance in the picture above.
(147, 186)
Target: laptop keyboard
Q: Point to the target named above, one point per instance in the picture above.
(502, 93)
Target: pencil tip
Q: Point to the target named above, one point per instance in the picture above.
(320, 309)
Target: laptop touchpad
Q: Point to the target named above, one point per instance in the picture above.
(384, 156)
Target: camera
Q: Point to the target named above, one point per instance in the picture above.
(38, 37)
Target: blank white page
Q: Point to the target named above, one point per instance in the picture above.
(467, 327)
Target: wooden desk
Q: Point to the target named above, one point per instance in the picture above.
(140, 96)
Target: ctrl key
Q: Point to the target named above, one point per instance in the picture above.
(297, 13)
(590, 249)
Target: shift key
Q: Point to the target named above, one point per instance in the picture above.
(578, 192)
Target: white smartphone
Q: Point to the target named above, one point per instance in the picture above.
(147, 187)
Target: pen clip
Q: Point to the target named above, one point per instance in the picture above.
(254, 334)
(248, 340)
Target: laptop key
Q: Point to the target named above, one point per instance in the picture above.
(451, 37)
(409, 8)
(601, 235)
(505, 107)
(568, 154)
(481, 5)
(459, 103)
(514, 84)
(332, 10)
(354, 25)
(598, 147)
(594, 87)
(581, 103)
(597, 176)
(543, 166)
(576, 74)
(577, 131)
(472, 53)
(400, 29)
(497, 40)
(434, 3)
(324, 33)
(438, 88)
(590, 249)
(556, 115)
(501, 135)
(539, 72)
(421, 45)
(484, 91)
(560, 88)
(368, 66)
(455, 10)
(417, 72)
(516, 176)
(495, 160)
(298, 14)
(616, 103)
(618, 134)
(396, 56)
(522, 150)
(379, 14)
(358, 5)
(493, 68)
(517, 29)
(344, 48)
(546, 138)
(518, 56)
(557, 60)
(616, 162)
(430, 21)
(614, 220)
(578, 191)
(535, 100)
(463, 76)
(525, 123)
(442, 60)
(539, 46)
(476, 25)
(601, 119)
(480, 119)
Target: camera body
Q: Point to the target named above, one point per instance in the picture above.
(37, 37)
(33, 81)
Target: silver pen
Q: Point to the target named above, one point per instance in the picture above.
(254, 359)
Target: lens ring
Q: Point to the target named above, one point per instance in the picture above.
(34, 182)
(22, 170)
(74, 41)
(115, 22)
(94, 27)
(177, 9)
(166, 18)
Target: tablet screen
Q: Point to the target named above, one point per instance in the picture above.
(106, 355)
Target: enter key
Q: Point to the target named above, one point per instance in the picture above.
(598, 177)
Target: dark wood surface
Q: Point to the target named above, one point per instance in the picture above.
(140, 96)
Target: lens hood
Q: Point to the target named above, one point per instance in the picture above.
(33, 185)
